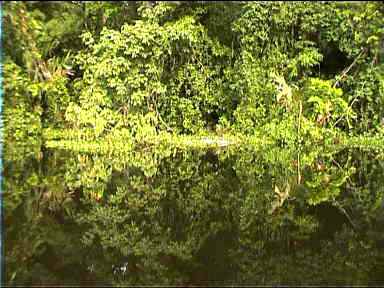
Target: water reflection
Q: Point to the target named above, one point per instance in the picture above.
(235, 216)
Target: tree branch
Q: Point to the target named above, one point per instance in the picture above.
(345, 71)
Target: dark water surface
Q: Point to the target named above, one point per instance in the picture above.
(227, 217)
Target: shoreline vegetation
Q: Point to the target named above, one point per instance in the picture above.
(75, 141)
(193, 74)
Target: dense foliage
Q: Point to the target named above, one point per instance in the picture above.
(113, 114)
(290, 70)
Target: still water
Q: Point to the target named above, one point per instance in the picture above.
(239, 216)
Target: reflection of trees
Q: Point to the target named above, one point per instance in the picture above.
(40, 240)
(255, 216)
(158, 223)
(291, 245)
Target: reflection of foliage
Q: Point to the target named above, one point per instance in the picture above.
(239, 215)
(325, 180)
(365, 190)
(344, 261)
(151, 220)
(35, 202)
